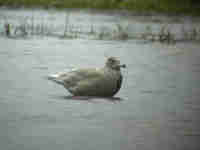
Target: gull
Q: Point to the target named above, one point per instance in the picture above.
(101, 82)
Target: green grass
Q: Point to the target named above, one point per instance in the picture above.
(164, 6)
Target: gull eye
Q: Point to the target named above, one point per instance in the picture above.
(112, 60)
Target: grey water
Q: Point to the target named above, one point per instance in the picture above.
(157, 107)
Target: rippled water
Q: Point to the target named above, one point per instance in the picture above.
(157, 106)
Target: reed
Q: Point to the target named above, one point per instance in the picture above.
(28, 26)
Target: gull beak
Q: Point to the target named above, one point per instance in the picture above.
(122, 66)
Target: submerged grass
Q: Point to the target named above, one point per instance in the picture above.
(117, 32)
(166, 6)
(27, 26)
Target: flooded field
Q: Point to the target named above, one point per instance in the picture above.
(156, 108)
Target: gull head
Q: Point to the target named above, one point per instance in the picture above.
(114, 63)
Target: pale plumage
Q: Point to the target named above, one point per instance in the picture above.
(104, 81)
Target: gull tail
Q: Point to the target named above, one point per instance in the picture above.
(55, 78)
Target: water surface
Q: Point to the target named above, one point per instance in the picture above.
(159, 100)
